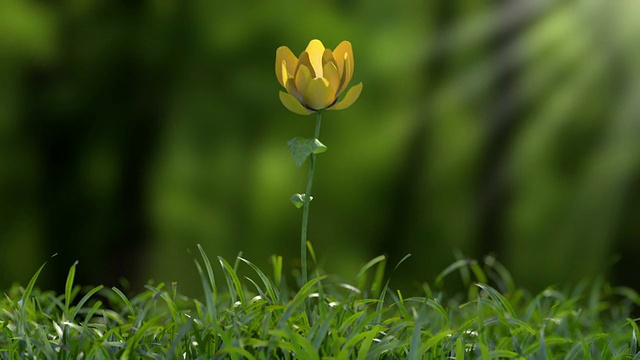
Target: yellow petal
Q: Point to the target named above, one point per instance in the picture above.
(302, 78)
(344, 48)
(290, 85)
(348, 100)
(283, 54)
(347, 75)
(327, 57)
(319, 94)
(292, 104)
(304, 60)
(331, 74)
(284, 74)
(315, 49)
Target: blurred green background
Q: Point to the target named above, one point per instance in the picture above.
(132, 131)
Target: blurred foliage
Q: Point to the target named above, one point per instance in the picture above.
(132, 131)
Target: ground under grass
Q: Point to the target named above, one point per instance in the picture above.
(260, 317)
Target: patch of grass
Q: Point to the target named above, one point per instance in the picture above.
(326, 318)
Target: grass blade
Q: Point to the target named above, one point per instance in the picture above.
(235, 287)
(271, 289)
(207, 265)
(386, 286)
(125, 300)
(83, 301)
(24, 302)
(68, 288)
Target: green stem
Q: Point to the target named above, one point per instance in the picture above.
(305, 211)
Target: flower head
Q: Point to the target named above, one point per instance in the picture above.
(315, 80)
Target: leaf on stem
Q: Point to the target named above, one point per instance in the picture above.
(298, 200)
(301, 148)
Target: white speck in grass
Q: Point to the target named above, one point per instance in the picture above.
(556, 321)
(72, 325)
(236, 304)
(334, 304)
(314, 295)
(58, 329)
(351, 287)
(471, 332)
(255, 299)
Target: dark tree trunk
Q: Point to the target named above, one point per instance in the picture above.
(409, 184)
(503, 117)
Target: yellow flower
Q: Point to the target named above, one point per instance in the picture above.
(316, 79)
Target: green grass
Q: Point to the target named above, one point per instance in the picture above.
(260, 317)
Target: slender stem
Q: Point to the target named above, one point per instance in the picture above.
(305, 211)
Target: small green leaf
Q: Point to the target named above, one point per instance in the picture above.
(301, 148)
(318, 147)
(298, 200)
